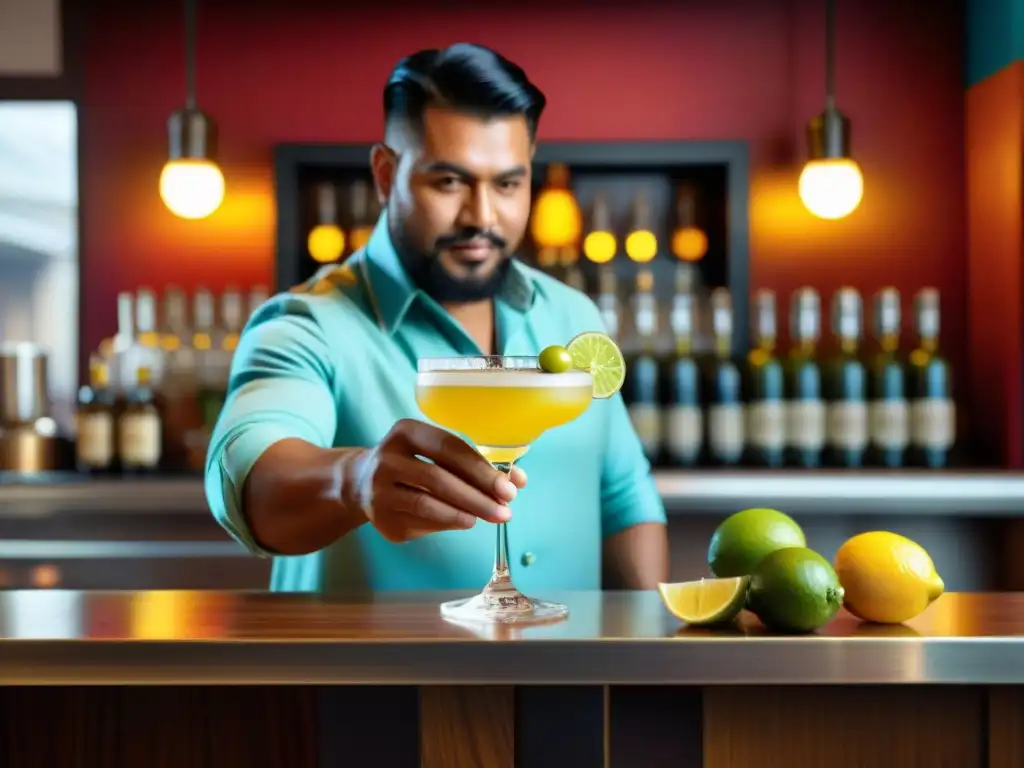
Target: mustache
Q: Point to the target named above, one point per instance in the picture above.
(467, 236)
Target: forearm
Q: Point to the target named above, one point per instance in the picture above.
(636, 557)
(299, 498)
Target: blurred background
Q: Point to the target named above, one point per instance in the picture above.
(802, 219)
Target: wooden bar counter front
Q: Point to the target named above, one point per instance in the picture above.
(256, 680)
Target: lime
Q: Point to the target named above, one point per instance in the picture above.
(795, 590)
(597, 353)
(705, 602)
(743, 538)
(888, 578)
(555, 359)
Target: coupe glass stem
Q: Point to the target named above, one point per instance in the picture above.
(502, 574)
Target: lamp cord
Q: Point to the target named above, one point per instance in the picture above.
(830, 54)
(190, 54)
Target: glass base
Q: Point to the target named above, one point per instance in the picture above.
(508, 608)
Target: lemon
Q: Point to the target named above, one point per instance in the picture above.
(600, 355)
(705, 602)
(888, 578)
(743, 539)
(555, 359)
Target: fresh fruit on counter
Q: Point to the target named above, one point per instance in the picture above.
(744, 538)
(795, 590)
(888, 578)
(706, 602)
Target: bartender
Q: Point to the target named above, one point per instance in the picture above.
(318, 458)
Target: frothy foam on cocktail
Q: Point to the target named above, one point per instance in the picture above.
(503, 378)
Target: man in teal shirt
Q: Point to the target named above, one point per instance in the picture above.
(317, 460)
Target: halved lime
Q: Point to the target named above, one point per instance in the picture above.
(597, 353)
(705, 602)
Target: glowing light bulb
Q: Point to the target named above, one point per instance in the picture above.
(600, 246)
(689, 244)
(192, 188)
(641, 246)
(556, 221)
(360, 236)
(831, 188)
(326, 243)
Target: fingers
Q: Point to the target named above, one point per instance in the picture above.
(425, 512)
(447, 487)
(518, 477)
(455, 455)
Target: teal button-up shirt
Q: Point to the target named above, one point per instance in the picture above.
(333, 362)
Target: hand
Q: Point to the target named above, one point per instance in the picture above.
(405, 497)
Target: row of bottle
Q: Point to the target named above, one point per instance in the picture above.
(157, 387)
(854, 408)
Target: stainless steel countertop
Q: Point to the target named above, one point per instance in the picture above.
(961, 493)
(67, 638)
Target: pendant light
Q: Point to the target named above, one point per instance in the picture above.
(556, 220)
(191, 183)
(831, 184)
(326, 241)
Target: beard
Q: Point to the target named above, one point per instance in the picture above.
(429, 275)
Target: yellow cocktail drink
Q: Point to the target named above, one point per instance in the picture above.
(502, 411)
(502, 404)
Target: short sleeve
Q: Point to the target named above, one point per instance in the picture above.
(281, 387)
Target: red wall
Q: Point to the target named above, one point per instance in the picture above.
(995, 200)
(730, 69)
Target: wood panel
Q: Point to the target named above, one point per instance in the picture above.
(556, 723)
(249, 727)
(654, 727)
(467, 727)
(1005, 727)
(849, 727)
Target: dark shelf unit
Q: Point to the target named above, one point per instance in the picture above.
(720, 169)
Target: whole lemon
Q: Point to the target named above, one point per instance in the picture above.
(887, 578)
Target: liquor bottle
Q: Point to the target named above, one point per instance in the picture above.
(930, 388)
(362, 213)
(599, 243)
(124, 347)
(258, 296)
(608, 300)
(204, 319)
(139, 427)
(147, 335)
(888, 413)
(846, 428)
(225, 339)
(641, 244)
(722, 388)
(765, 406)
(805, 408)
(569, 260)
(180, 386)
(683, 418)
(95, 448)
(642, 387)
(689, 242)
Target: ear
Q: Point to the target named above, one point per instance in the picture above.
(382, 165)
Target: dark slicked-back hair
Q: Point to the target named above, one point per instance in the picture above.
(465, 77)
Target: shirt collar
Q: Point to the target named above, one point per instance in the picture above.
(392, 292)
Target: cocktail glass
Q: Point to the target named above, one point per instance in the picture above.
(500, 404)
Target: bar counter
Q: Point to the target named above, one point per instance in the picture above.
(322, 681)
(612, 638)
(991, 493)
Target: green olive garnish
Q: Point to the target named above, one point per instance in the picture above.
(555, 359)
